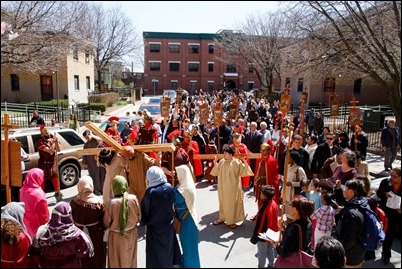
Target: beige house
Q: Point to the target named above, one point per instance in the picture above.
(73, 81)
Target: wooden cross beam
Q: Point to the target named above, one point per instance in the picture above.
(287, 89)
(5, 173)
(354, 102)
(117, 147)
(220, 156)
(333, 96)
(142, 148)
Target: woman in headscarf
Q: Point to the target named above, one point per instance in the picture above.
(185, 195)
(162, 248)
(122, 213)
(34, 198)
(87, 212)
(60, 243)
(15, 241)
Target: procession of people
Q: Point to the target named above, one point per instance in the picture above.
(127, 188)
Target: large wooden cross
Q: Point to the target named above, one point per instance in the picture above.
(117, 147)
(5, 156)
(354, 102)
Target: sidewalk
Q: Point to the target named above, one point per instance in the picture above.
(376, 165)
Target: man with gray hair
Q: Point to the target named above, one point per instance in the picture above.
(391, 142)
(266, 134)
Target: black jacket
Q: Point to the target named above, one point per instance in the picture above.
(350, 227)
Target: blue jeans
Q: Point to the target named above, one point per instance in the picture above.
(265, 251)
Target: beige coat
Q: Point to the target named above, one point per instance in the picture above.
(230, 192)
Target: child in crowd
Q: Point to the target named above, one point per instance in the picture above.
(267, 217)
(325, 217)
(304, 185)
(314, 194)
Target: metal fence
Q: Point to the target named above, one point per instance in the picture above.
(21, 114)
(374, 119)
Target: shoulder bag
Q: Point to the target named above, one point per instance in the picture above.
(298, 259)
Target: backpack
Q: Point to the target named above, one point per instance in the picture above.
(373, 235)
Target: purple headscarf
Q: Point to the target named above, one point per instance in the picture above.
(60, 228)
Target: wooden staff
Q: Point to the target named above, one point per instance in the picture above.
(354, 102)
(285, 172)
(56, 157)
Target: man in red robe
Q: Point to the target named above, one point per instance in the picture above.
(241, 148)
(266, 173)
(48, 146)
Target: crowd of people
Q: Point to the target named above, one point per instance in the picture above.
(307, 183)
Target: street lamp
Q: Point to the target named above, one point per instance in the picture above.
(58, 95)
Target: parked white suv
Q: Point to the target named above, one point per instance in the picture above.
(69, 161)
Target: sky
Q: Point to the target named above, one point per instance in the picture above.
(188, 16)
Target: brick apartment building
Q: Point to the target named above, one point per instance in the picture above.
(189, 61)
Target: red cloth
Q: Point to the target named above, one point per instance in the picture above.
(196, 163)
(269, 218)
(242, 149)
(16, 255)
(383, 218)
(271, 168)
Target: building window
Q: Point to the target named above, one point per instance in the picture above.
(231, 68)
(76, 83)
(210, 86)
(250, 85)
(358, 86)
(174, 48)
(193, 48)
(193, 67)
(300, 85)
(193, 86)
(173, 84)
(87, 56)
(251, 68)
(88, 82)
(329, 85)
(154, 47)
(174, 66)
(154, 66)
(75, 53)
(15, 82)
(210, 67)
(211, 48)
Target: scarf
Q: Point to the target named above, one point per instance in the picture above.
(155, 176)
(85, 188)
(187, 188)
(60, 228)
(14, 211)
(120, 186)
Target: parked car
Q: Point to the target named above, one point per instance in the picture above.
(69, 161)
(106, 124)
(153, 108)
(155, 99)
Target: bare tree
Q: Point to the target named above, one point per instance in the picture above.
(359, 37)
(112, 35)
(36, 35)
(256, 44)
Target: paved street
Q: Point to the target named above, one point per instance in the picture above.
(222, 247)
